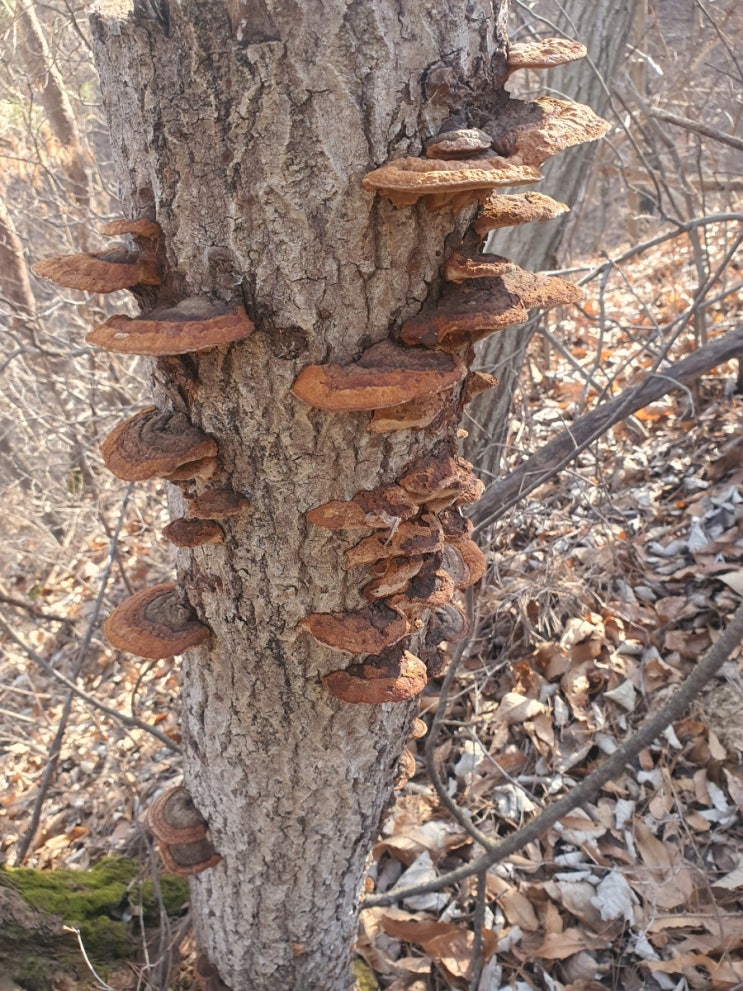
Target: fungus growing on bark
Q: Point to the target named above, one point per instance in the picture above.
(217, 504)
(201, 468)
(458, 268)
(464, 561)
(409, 539)
(154, 444)
(103, 272)
(415, 415)
(504, 210)
(530, 133)
(392, 676)
(194, 324)
(173, 817)
(369, 630)
(384, 375)
(192, 533)
(405, 180)
(186, 859)
(433, 478)
(544, 54)
(477, 307)
(477, 382)
(155, 623)
(459, 143)
(405, 769)
(148, 229)
(418, 730)
(447, 625)
(372, 509)
(208, 975)
(430, 588)
(391, 576)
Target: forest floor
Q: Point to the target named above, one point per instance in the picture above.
(604, 588)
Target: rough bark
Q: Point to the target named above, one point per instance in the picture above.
(604, 27)
(247, 127)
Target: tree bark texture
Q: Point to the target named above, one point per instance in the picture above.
(247, 126)
(603, 27)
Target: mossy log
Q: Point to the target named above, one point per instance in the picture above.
(35, 950)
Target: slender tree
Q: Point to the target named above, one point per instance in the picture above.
(244, 129)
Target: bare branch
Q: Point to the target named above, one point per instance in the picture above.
(697, 126)
(589, 788)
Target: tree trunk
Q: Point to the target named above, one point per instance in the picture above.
(604, 27)
(247, 125)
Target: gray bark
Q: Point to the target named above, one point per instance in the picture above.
(604, 27)
(248, 126)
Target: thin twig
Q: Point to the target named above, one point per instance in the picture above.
(120, 717)
(589, 788)
(56, 747)
(544, 464)
(695, 125)
(86, 958)
(478, 924)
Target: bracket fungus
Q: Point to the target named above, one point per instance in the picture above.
(370, 509)
(393, 676)
(217, 504)
(409, 539)
(154, 444)
(150, 230)
(173, 817)
(405, 180)
(384, 375)
(155, 623)
(530, 133)
(193, 533)
(458, 143)
(544, 54)
(186, 859)
(102, 272)
(478, 306)
(195, 324)
(391, 576)
(512, 210)
(447, 624)
(369, 630)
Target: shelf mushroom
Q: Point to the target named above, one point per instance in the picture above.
(393, 676)
(154, 623)
(192, 325)
(101, 272)
(512, 210)
(384, 375)
(155, 444)
(369, 630)
(544, 54)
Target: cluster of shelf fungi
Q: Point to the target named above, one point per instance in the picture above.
(419, 554)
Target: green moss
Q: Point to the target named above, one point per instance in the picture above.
(364, 976)
(95, 901)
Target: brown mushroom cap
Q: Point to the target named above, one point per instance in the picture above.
(148, 229)
(405, 768)
(103, 272)
(465, 562)
(459, 268)
(200, 468)
(173, 817)
(371, 509)
(477, 382)
(418, 730)
(454, 525)
(154, 623)
(384, 375)
(369, 630)
(217, 504)
(409, 539)
(503, 210)
(447, 624)
(193, 533)
(154, 443)
(405, 180)
(185, 859)
(459, 143)
(430, 588)
(478, 307)
(530, 133)
(390, 677)
(195, 324)
(415, 415)
(391, 576)
(544, 54)
(432, 478)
